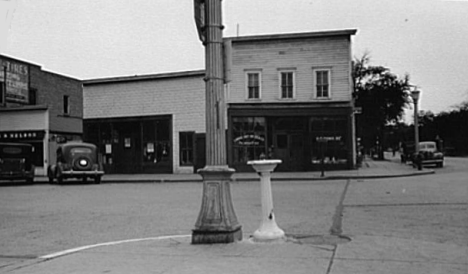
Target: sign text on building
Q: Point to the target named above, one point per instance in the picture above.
(17, 81)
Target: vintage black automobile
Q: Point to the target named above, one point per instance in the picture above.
(76, 160)
(16, 162)
(429, 154)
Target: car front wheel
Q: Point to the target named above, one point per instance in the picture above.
(97, 179)
(59, 176)
(50, 175)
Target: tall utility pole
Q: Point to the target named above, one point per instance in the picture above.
(217, 221)
(415, 96)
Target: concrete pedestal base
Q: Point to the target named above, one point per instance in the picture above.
(217, 221)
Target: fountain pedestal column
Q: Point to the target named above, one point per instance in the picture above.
(268, 230)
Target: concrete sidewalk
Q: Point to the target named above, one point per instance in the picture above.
(390, 167)
(174, 254)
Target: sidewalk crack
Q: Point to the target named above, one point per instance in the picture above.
(336, 228)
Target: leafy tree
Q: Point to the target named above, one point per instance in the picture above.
(450, 127)
(382, 96)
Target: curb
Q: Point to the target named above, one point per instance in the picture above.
(44, 180)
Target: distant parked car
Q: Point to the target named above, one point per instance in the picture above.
(16, 162)
(429, 154)
(407, 152)
(76, 160)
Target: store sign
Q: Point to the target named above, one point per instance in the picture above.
(21, 135)
(249, 140)
(327, 138)
(17, 81)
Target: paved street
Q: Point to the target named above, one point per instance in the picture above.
(413, 224)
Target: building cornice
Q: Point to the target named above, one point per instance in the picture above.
(148, 77)
(289, 36)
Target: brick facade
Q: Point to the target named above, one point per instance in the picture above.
(42, 109)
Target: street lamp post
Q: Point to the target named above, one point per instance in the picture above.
(417, 160)
(217, 221)
(415, 96)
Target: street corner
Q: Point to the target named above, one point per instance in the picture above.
(379, 254)
(178, 255)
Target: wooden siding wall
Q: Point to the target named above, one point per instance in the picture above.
(301, 55)
(183, 98)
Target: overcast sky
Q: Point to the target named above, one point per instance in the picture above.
(428, 39)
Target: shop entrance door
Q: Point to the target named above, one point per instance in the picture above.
(127, 152)
(289, 147)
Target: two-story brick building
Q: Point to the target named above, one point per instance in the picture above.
(289, 96)
(38, 107)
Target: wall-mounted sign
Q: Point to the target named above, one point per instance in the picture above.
(127, 142)
(327, 138)
(249, 140)
(17, 81)
(108, 149)
(15, 135)
(150, 147)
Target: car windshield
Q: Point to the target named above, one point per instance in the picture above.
(427, 147)
(80, 150)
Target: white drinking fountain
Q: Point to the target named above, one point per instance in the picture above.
(269, 230)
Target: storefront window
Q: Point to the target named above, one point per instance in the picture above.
(328, 140)
(249, 134)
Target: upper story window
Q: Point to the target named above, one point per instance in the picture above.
(287, 84)
(322, 83)
(66, 104)
(253, 85)
(32, 96)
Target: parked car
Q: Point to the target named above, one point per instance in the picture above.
(76, 160)
(407, 152)
(429, 154)
(16, 162)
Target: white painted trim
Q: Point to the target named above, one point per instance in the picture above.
(314, 87)
(280, 94)
(246, 83)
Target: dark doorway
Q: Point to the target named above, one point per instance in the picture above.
(200, 156)
(289, 142)
(127, 150)
(289, 147)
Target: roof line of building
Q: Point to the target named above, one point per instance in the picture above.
(253, 38)
(298, 35)
(41, 68)
(145, 77)
(11, 58)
